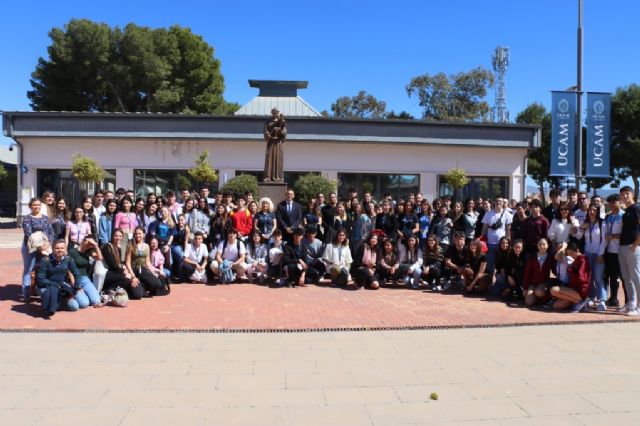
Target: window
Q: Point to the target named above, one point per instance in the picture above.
(162, 181)
(478, 186)
(289, 177)
(399, 186)
(64, 185)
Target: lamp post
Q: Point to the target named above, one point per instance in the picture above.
(579, 101)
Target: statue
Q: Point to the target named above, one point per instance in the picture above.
(275, 132)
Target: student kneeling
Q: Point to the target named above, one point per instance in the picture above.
(295, 267)
(230, 258)
(52, 281)
(537, 274)
(194, 263)
(574, 294)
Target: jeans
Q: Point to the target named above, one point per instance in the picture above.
(29, 264)
(177, 255)
(50, 299)
(491, 257)
(598, 289)
(89, 294)
(630, 271)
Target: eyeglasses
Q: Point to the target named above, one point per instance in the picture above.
(582, 199)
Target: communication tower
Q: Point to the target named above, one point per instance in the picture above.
(500, 61)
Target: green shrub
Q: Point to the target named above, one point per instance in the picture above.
(308, 186)
(86, 169)
(241, 184)
(202, 172)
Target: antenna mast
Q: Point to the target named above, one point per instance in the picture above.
(500, 61)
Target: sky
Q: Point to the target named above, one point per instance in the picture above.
(342, 47)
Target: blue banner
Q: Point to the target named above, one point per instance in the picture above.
(598, 134)
(563, 133)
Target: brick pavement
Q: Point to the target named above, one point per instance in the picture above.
(543, 375)
(247, 306)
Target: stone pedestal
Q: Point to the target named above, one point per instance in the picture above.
(272, 190)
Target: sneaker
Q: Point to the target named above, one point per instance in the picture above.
(591, 303)
(601, 307)
(624, 309)
(416, 285)
(437, 288)
(580, 306)
(447, 285)
(613, 303)
(633, 313)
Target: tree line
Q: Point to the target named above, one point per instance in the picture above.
(94, 67)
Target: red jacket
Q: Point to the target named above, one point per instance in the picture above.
(579, 276)
(535, 274)
(242, 221)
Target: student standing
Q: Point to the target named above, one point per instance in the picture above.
(629, 251)
(613, 222)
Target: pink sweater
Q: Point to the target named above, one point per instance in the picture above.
(126, 222)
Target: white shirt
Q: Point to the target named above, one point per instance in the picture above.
(490, 218)
(197, 254)
(230, 252)
(337, 255)
(614, 226)
(595, 238)
(560, 230)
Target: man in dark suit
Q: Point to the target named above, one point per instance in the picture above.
(289, 216)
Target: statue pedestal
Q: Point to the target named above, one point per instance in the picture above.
(272, 190)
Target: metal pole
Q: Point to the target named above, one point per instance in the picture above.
(579, 103)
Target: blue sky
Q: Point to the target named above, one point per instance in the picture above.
(345, 46)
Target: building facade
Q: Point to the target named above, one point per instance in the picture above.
(148, 152)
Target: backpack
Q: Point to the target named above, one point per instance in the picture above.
(224, 246)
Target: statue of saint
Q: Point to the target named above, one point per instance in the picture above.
(275, 132)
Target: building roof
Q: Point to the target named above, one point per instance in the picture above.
(289, 106)
(198, 126)
(281, 94)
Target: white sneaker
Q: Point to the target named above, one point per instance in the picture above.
(438, 288)
(632, 313)
(591, 304)
(624, 309)
(601, 307)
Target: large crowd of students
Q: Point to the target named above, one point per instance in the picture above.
(570, 255)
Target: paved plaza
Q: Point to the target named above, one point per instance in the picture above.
(534, 375)
(562, 374)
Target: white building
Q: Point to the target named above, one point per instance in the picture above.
(149, 151)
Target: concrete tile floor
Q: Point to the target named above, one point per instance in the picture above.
(538, 375)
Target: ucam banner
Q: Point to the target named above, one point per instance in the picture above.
(563, 133)
(598, 134)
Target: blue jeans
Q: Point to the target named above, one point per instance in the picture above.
(597, 288)
(28, 263)
(89, 295)
(50, 300)
(177, 255)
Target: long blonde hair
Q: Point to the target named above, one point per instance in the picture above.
(167, 213)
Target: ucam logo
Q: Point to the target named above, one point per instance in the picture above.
(563, 106)
(598, 107)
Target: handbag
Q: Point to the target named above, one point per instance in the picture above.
(199, 276)
(36, 241)
(120, 298)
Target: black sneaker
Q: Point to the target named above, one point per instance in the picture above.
(613, 303)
